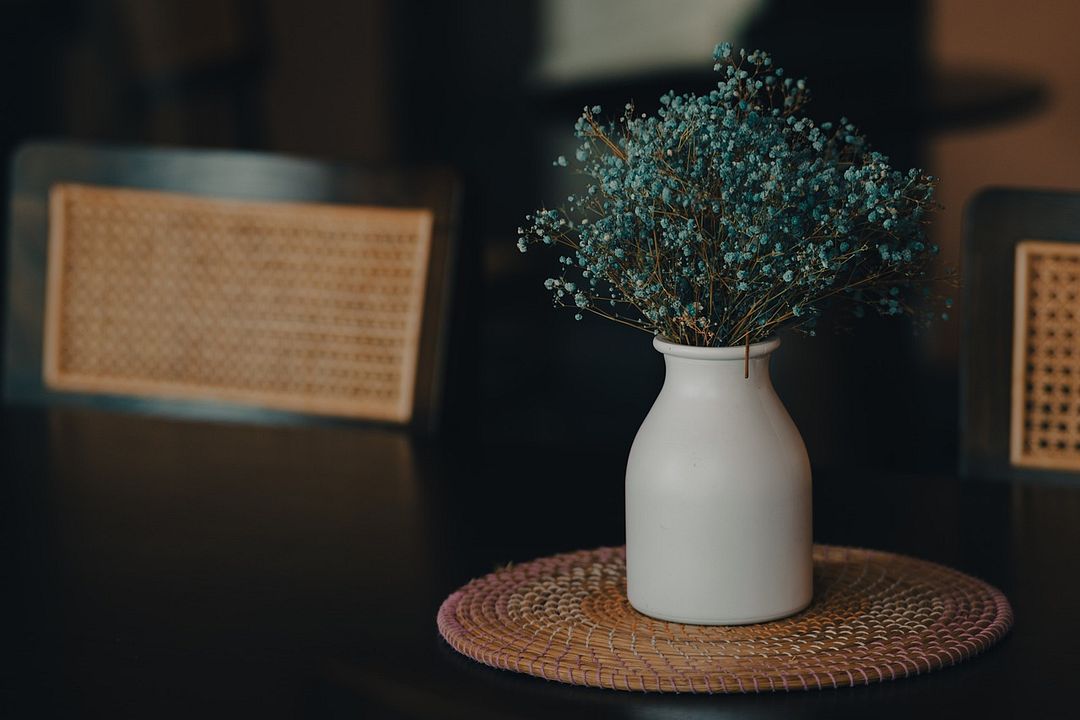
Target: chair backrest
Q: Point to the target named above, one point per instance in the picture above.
(1020, 355)
(226, 284)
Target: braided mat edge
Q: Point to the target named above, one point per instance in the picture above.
(875, 616)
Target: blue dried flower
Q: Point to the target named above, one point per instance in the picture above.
(695, 222)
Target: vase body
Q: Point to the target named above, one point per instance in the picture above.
(718, 506)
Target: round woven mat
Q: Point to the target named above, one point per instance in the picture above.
(875, 616)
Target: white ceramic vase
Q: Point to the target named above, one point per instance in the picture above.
(718, 507)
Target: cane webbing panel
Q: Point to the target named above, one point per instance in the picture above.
(1045, 429)
(301, 307)
(875, 616)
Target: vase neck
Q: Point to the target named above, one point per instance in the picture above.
(716, 371)
(717, 377)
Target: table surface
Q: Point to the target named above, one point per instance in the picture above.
(172, 568)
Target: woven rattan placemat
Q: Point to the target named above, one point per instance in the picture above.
(875, 616)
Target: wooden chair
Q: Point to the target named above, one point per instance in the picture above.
(227, 284)
(1020, 355)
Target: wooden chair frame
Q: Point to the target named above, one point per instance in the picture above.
(1000, 223)
(228, 176)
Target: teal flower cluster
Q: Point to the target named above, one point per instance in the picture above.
(728, 215)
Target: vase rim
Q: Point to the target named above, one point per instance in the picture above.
(731, 352)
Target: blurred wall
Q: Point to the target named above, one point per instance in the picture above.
(330, 89)
(306, 78)
(1036, 39)
(491, 88)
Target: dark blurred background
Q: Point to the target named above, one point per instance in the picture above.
(980, 92)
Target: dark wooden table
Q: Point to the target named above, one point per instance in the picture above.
(168, 568)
